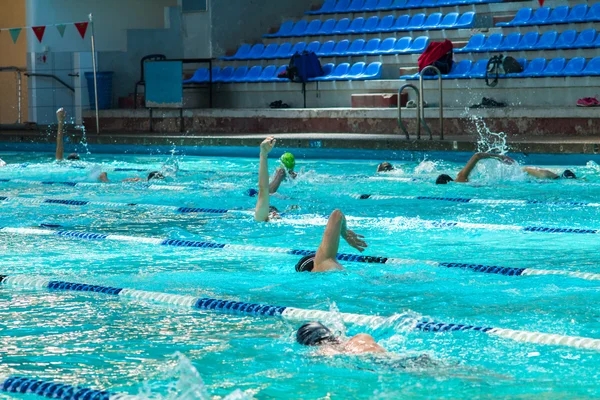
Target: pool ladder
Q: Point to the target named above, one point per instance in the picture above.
(421, 106)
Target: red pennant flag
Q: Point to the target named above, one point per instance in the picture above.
(39, 32)
(82, 28)
(541, 2)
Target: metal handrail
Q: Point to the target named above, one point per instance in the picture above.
(400, 123)
(56, 78)
(422, 105)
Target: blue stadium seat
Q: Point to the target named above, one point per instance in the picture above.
(341, 26)
(275, 77)
(534, 68)
(385, 24)
(585, 39)
(355, 48)
(355, 6)
(474, 44)
(326, 49)
(215, 72)
(558, 15)
(401, 22)
(510, 42)
(326, 8)
(593, 15)
(370, 5)
(372, 46)
(459, 70)
(339, 73)
(540, 16)
(341, 6)
(577, 14)
(298, 48)
(413, 4)
(356, 25)
(267, 73)
(415, 22)
(340, 48)
(592, 68)
(566, 39)
(418, 45)
(327, 70)
(373, 71)
(432, 21)
(270, 51)
(313, 46)
(554, 67)
(546, 41)
(478, 69)
(284, 51)
(355, 71)
(449, 21)
(327, 27)
(402, 45)
(597, 41)
(313, 28)
(523, 63)
(399, 4)
(429, 3)
(200, 76)
(384, 5)
(254, 74)
(528, 41)
(493, 42)
(241, 53)
(465, 21)
(387, 46)
(371, 25)
(299, 28)
(238, 75)
(284, 30)
(256, 51)
(224, 75)
(522, 17)
(574, 67)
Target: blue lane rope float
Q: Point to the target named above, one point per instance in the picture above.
(476, 201)
(150, 186)
(54, 390)
(193, 244)
(291, 313)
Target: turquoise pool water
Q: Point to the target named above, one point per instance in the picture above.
(166, 352)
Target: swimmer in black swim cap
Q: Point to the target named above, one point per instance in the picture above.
(325, 258)
(103, 177)
(385, 167)
(463, 175)
(316, 334)
(542, 173)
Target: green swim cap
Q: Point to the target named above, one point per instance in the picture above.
(288, 160)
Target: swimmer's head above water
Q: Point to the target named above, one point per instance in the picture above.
(306, 264)
(315, 334)
(385, 167)
(443, 179)
(288, 161)
(568, 174)
(155, 175)
(73, 156)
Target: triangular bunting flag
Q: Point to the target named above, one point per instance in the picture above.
(82, 28)
(14, 34)
(541, 2)
(39, 32)
(61, 29)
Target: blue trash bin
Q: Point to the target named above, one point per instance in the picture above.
(104, 81)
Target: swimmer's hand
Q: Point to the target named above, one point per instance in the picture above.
(61, 115)
(267, 145)
(355, 240)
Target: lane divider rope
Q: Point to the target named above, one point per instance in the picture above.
(150, 186)
(291, 313)
(192, 244)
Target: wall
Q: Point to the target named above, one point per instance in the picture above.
(12, 14)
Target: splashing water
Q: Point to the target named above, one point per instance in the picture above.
(83, 142)
(488, 141)
(426, 167)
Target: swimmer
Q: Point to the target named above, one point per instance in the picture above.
(60, 116)
(542, 173)
(263, 211)
(317, 334)
(288, 162)
(463, 175)
(103, 177)
(325, 258)
(385, 167)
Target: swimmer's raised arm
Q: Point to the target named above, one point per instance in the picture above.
(60, 115)
(277, 179)
(463, 175)
(261, 213)
(325, 259)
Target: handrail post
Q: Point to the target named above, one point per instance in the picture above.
(440, 89)
(400, 123)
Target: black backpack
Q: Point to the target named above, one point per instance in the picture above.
(303, 66)
(508, 64)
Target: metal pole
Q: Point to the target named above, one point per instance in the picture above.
(20, 90)
(95, 79)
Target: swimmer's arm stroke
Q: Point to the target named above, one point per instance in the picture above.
(277, 179)
(326, 257)
(60, 115)
(540, 173)
(261, 213)
(463, 175)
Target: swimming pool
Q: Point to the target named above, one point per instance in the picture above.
(160, 351)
